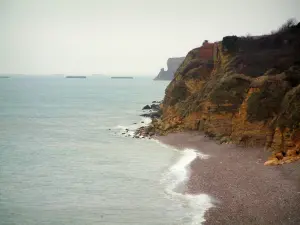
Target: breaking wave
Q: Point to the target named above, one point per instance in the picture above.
(175, 179)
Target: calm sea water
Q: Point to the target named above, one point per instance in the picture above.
(63, 159)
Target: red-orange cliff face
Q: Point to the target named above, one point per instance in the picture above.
(206, 51)
(241, 90)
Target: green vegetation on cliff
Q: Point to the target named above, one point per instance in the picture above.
(290, 110)
(265, 104)
(232, 90)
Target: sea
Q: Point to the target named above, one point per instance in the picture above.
(64, 158)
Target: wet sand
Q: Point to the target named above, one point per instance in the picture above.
(247, 192)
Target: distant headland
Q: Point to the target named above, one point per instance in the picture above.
(173, 64)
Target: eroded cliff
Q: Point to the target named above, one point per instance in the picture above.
(244, 90)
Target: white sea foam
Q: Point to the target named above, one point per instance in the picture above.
(175, 181)
(175, 178)
(147, 120)
(130, 129)
(161, 144)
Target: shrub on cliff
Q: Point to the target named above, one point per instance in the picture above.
(195, 63)
(231, 90)
(265, 103)
(287, 25)
(178, 93)
(230, 43)
(293, 76)
(290, 110)
(201, 73)
(194, 73)
(191, 56)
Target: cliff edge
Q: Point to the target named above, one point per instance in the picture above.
(243, 90)
(172, 64)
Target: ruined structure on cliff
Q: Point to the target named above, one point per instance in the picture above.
(208, 51)
(173, 64)
(243, 90)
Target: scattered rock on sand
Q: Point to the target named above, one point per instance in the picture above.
(279, 155)
(224, 140)
(272, 162)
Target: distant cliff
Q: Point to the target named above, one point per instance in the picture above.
(173, 64)
(243, 90)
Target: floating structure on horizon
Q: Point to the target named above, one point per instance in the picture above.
(82, 77)
(121, 77)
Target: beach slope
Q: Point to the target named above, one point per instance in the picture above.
(247, 192)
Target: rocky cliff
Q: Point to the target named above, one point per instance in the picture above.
(243, 90)
(173, 64)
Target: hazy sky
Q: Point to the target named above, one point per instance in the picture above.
(129, 37)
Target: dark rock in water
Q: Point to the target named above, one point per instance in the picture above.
(152, 115)
(123, 133)
(109, 129)
(146, 107)
(157, 102)
(142, 122)
(155, 107)
(134, 123)
(151, 134)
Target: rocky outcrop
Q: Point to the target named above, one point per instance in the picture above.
(154, 110)
(242, 90)
(173, 64)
